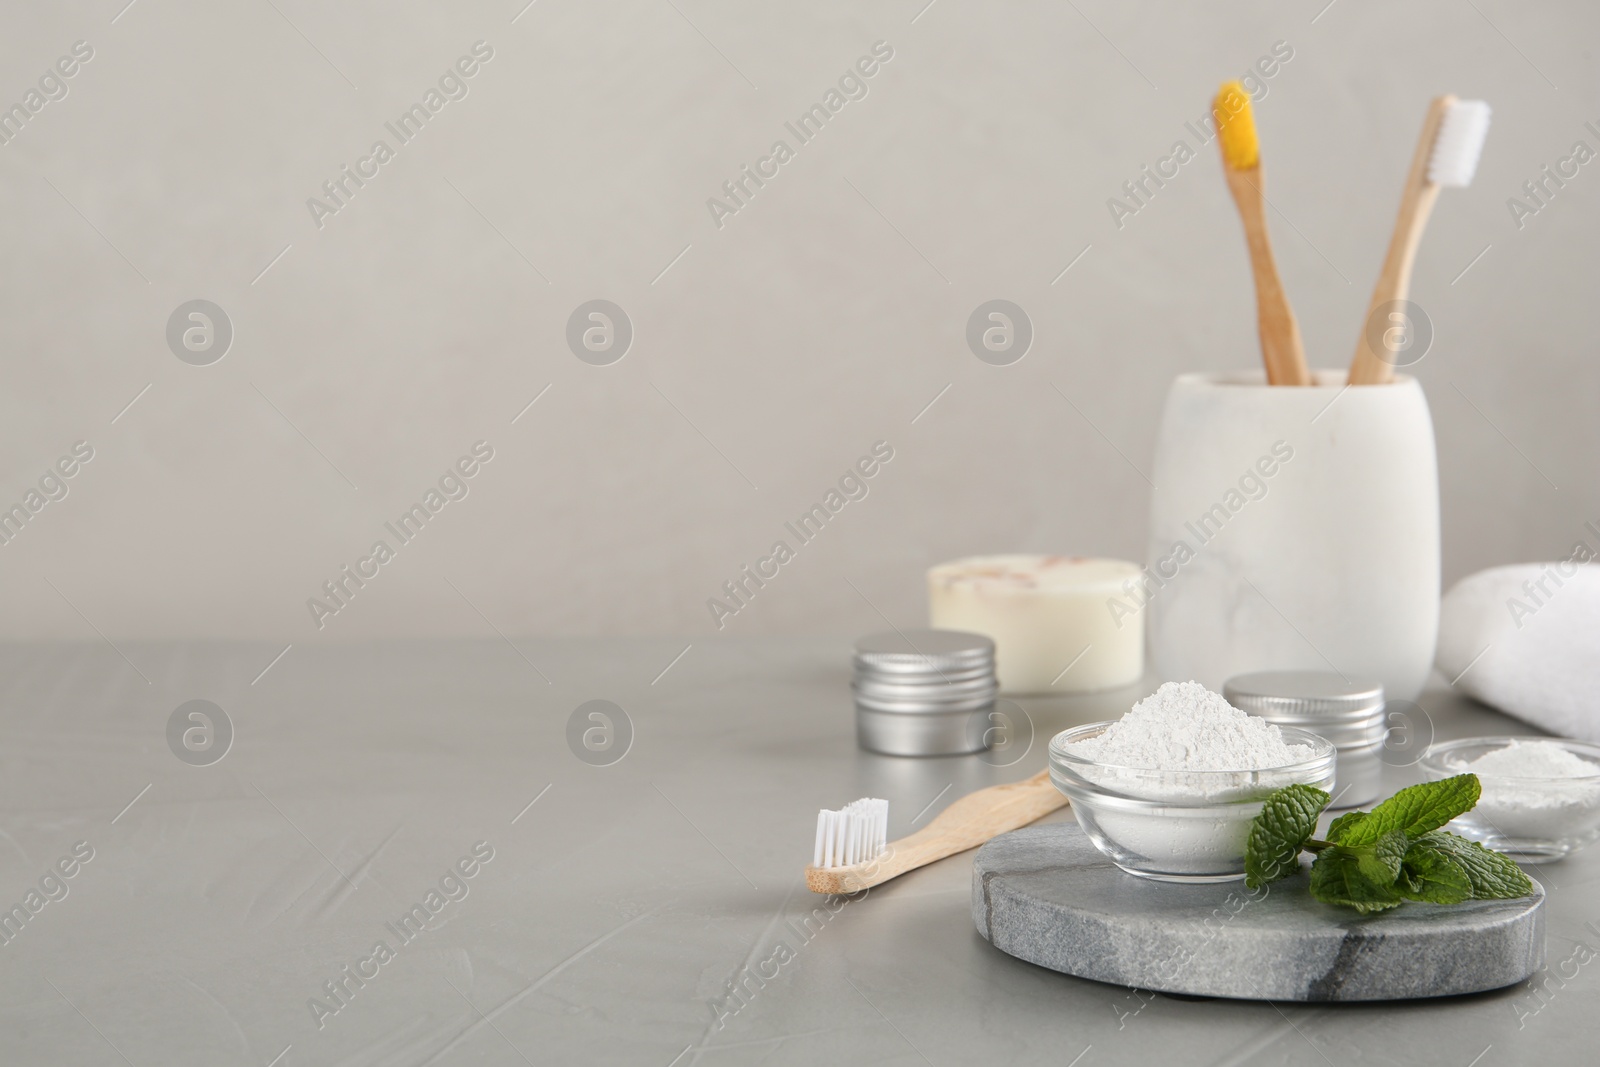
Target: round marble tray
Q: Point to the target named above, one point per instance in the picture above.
(1046, 895)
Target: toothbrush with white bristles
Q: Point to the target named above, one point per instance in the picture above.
(1446, 157)
(851, 852)
(855, 834)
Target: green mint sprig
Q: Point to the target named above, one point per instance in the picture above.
(1376, 860)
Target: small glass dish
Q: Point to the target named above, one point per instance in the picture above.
(1529, 819)
(1176, 826)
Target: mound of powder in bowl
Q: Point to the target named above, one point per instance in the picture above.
(1537, 790)
(1185, 726)
(1532, 759)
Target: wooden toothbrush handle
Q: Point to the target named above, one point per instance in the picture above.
(1281, 349)
(966, 823)
(1369, 367)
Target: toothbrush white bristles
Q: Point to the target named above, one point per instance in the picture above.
(1446, 158)
(855, 834)
(967, 823)
(1458, 144)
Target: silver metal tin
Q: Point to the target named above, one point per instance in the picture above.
(923, 692)
(1347, 711)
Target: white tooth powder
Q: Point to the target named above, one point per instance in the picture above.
(1183, 726)
(1215, 754)
(1537, 789)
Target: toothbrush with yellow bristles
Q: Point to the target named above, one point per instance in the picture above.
(1281, 349)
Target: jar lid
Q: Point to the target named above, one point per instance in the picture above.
(983, 671)
(923, 652)
(934, 694)
(1303, 694)
(924, 671)
(924, 708)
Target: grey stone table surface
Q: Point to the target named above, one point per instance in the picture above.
(537, 904)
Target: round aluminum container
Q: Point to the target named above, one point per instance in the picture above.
(923, 692)
(1346, 711)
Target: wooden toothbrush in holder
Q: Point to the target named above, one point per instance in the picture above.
(1447, 155)
(1281, 349)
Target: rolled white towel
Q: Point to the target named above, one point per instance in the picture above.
(1526, 639)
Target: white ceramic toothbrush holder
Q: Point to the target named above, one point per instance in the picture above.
(1293, 528)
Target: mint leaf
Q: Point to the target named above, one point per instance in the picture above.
(1376, 860)
(1415, 810)
(1287, 820)
(1342, 825)
(1429, 873)
(1337, 878)
(1380, 862)
(1493, 876)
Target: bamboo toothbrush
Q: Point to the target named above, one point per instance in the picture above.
(851, 854)
(1241, 164)
(1447, 156)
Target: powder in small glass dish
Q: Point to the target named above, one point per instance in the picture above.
(1536, 789)
(1184, 743)
(1183, 726)
(1170, 789)
(1532, 759)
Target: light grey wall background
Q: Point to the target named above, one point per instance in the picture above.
(770, 353)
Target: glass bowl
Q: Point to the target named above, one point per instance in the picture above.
(1529, 819)
(1176, 826)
